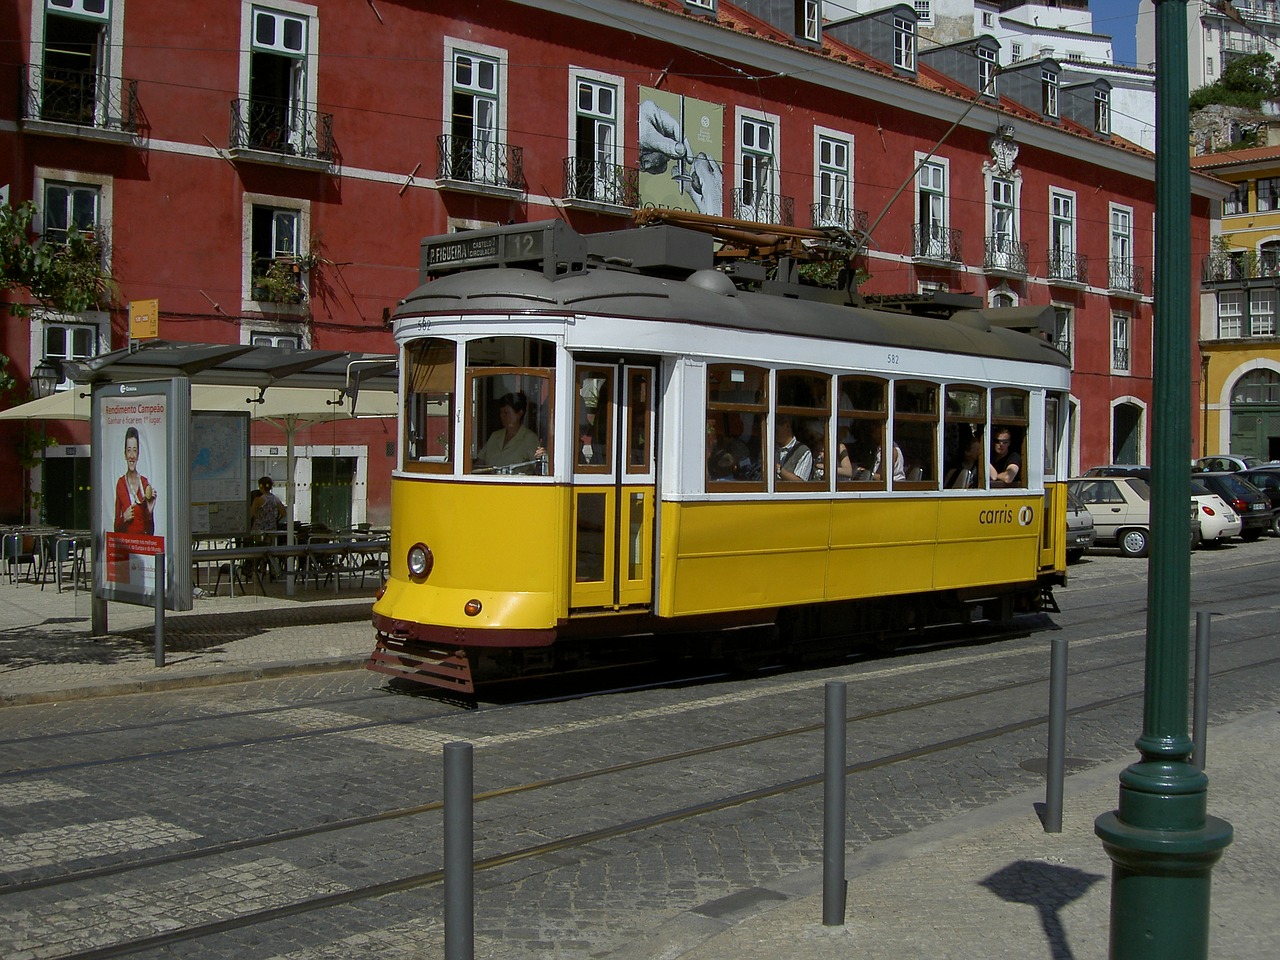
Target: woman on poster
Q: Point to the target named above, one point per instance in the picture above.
(135, 496)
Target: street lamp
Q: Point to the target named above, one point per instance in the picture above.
(45, 379)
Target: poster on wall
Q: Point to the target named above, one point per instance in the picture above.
(141, 507)
(220, 485)
(681, 152)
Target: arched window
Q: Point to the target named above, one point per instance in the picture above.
(1257, 386)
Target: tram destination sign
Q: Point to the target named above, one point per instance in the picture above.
(537, 245)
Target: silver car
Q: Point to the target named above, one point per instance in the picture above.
(1080, 531)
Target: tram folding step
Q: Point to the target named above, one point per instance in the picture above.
(1047, 600)
(422, 663)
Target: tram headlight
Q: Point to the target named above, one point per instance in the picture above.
(420, 561)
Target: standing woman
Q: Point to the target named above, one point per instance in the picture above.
(135, 496)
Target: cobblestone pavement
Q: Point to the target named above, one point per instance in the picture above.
(946, 854)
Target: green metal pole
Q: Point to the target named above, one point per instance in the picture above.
(1161, 841)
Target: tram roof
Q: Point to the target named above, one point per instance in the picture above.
(710, 297)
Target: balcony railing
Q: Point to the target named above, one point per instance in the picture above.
(1005, 255)
(1241, 265)
(935, 243)
(276, 126)
(1125, 276)
(593, 181)
(764, 208)
(838, 215)
(485, 163)
(1068, 267)
(84, 98)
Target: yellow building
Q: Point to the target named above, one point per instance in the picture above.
(1239, 289)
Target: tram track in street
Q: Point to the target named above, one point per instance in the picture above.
(581, 839)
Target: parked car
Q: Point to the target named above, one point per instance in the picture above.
(1121, 511)
(1080, 531)
(1218, 521)
(1267, 479)
(1254, 506)
(1226, 462)
(1120, 470)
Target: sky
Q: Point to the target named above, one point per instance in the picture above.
(1118, 19)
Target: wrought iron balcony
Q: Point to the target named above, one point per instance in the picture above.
(1239, 265)
(283, 128)
(1126, 277)
(593, 181)
(937, 244)
(1005, 255)
(1068, 267)
(838, 215)
(764, 207)
(84, 98)
(482, 163)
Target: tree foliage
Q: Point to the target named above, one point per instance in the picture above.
(67, 277)
(1245, 82)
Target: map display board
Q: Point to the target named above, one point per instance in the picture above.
(219, 473)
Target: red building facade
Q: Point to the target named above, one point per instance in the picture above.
(266, 169)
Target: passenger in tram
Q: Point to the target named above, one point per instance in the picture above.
(1006, 462)
(815, 437)
(513, 443)
(964, 475)
(794, 460)
(899, 464)
(725, 452)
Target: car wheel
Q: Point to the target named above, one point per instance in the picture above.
(1134, 542)
(1275, 524)
(1250, 535)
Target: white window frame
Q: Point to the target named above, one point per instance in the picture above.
(1102, 111)
(830, 171)
(1015, 52)
(811, 20)
(578, 75)
(248, 304)
(988, 18)
(988, 61)
(1121, 341)
(1230, 305)
(1064, 328)
(1003, 296)
(1062, 222)
(1049, 89)
(760, 121)
(924, 10)
(1262, 312)
(904, 44)
(310, 61)
(1003, 195)
(1120, 247)
(454, 46)
(943, 206)
(113, 54)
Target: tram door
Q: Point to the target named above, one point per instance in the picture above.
(613, 486)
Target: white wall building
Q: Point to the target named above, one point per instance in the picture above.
(1215, 37)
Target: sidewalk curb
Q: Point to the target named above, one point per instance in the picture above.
(208, 678)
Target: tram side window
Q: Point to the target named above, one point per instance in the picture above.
(510, 388)
(594, 418)
(429, 370)
(861, 415)
(1054, 429)
(915, 434)
(639, 422)
(1008, 437)
(737, 405)
(964, 439)
(802, 418)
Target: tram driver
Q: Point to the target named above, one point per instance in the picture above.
(513, 443)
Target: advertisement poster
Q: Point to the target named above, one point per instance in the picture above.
(681, 152)
(134, 444)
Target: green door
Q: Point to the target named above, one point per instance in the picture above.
(331, 482)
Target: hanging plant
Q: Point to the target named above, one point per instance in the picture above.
(67, 277)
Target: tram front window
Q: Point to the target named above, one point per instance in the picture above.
(428, 405)
(510, 428)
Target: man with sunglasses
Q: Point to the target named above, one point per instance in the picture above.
(1006, 462)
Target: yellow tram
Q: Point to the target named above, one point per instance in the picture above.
(600, 453)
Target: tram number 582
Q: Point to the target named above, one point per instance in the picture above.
(892, 359)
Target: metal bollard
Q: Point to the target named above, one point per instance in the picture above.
(1056, 771)
(459, 889)
(1200, 714)
(834, 885)
(159, 598)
